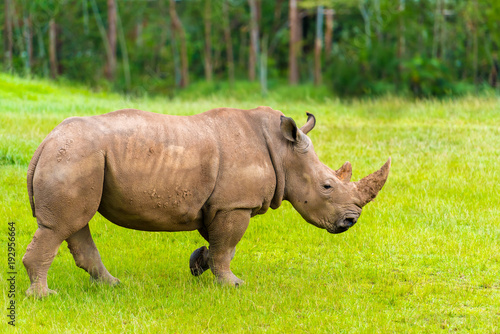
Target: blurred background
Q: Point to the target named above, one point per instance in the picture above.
(421, 48)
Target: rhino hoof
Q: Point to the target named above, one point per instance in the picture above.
(198, 262)
(112, 281)
(39, 292)
(230, 280)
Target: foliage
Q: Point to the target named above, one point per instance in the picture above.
(378, 46)
(428, 77)
(424, 257)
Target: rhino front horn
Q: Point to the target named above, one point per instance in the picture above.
(369, 186)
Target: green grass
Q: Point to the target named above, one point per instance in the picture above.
(423, 258)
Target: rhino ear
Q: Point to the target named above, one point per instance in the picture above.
(311, 122)
(289, 129)
(344, 173)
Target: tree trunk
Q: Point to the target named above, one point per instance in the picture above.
(318, 44)
(443, 36)
(242, 48)
(378, 25)
(258, 9)
(208, 41)
(124, 51)
(177, 29)
(329, 15)
(494, 72)
(17, 28)
(103, 33)
(263, 67)
(175, 53)
(422, 29)
(28, 36)
(41, 53)
(475, 54)
(465, 72)
(53, 49)
(139, 26)
(275, 28)
(8, 38)
(85, 10)
(401, 38)
(160, 42)
(254, 40)
(277, 15)
(367, 20)
(475, 43)
(436, 34)
(110, 69)
(229, 44)
(293, 75)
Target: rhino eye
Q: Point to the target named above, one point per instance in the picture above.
(327, 186)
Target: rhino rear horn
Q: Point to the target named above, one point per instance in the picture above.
(369, 186)
(311, 122)
(344, 173)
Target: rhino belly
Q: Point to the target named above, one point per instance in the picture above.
(147, 214)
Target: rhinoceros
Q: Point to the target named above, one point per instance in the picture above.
(209, 172)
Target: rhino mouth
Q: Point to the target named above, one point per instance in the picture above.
(337, 229)
(343, 225)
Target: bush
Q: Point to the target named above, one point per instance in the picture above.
(428, 77)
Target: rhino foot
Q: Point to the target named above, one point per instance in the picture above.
(112, 281)
(38, 291)
(198, 262)
(229, 279)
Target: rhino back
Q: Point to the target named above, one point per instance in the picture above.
(169, 173)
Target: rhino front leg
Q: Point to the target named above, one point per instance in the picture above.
(224, 232)
(198, 262)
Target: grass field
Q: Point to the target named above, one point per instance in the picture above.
(423, 258)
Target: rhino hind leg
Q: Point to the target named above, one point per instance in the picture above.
(86, 255)
(38, 258)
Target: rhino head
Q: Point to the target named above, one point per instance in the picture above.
(324, 197)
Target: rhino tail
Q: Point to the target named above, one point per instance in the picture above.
(31, 172)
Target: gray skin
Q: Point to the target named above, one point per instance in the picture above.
(209, 172)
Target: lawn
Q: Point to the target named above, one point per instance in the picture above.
(424, 257)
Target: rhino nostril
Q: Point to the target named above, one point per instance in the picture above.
(350, 221)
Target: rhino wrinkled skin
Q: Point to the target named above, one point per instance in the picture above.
(209, 172)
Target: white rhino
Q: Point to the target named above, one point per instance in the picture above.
(209, 172)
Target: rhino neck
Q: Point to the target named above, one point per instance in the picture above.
(274, 147)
